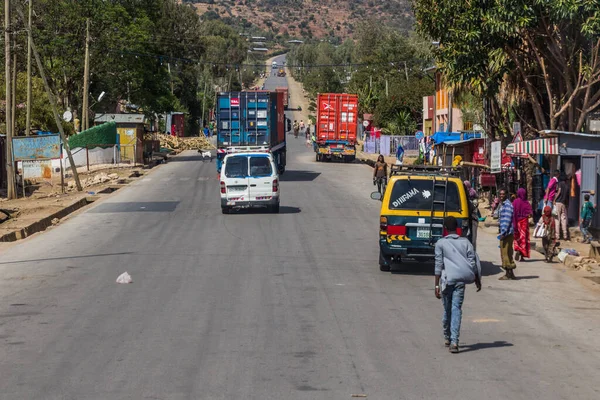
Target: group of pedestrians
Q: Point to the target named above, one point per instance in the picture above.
(301, 128)
(556, 203)
(514, 217)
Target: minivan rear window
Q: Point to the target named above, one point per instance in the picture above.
(417, 194)
(236, 167)
(260, 167)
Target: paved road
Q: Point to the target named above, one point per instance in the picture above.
(262, 306)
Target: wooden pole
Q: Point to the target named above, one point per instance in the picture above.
(14, 89)
(10, 174)
(86, 79)
(28, 118)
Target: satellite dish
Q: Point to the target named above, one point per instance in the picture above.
(101, 96)
(68, 116)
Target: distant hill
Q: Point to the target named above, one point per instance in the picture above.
(303, 19)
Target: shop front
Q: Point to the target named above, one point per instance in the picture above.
(576, 155)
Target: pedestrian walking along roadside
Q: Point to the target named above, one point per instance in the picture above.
(587, 212)
(506, 236)
(456, 265)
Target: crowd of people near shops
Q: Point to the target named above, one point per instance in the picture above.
(514, 213)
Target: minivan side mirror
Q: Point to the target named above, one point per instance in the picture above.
(376, 196)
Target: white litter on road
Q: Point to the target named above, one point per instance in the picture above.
(124, 278)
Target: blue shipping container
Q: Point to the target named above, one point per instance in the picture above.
(248, 119)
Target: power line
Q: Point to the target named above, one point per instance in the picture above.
(161, 57)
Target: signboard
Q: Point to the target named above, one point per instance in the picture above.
(37, 169)
(517, 132)
(496, 157)
(235, 102)
(46, 147)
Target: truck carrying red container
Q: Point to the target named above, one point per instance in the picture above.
(336, 127)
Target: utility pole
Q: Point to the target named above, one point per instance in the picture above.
(14, 88)
(28, 119)
(10, 176)
(203, 101)
(86, 79)
(52, 100)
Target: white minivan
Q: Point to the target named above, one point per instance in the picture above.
(249, 180)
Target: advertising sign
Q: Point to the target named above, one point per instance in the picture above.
(496, 157)
(46, 147)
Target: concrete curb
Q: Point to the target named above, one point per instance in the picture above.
(46, 222)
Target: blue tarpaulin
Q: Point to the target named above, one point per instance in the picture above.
(444, 137)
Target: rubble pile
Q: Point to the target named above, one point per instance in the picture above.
(184, 143)
(96, 179)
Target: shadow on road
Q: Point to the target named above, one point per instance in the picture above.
(299, 176)
(423, 267)
(190, 158)
(488, 268)
(413, 267)
(481, 346)
(282, 210)
(526, 277)
(66, 258)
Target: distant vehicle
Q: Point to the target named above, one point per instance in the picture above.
(286, 96)
(274, 65)
(281, 72)
(252, 121)
(336, 126)
(413, 208)
(249, 179)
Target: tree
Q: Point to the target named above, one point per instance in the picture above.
(540, 58)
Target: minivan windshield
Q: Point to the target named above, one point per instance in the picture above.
(260, 166)
(417, 194)
(236, 167)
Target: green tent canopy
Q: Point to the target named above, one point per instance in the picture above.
(96, 136)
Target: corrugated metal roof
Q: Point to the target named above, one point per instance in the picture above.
(555, 133)
(122, 118)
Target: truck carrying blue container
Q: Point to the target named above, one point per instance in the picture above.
(251, 121)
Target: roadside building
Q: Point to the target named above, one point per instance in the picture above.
(577, 155)
(130, 130)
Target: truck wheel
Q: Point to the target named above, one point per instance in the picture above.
(384, 262)
(275, 209)
(225, 210)
(349, 159)
(318, 157)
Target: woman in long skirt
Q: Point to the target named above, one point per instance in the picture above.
(522, 213)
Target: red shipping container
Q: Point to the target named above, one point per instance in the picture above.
(178, 125)
(286, 95)
(337, 117)
(281, 116)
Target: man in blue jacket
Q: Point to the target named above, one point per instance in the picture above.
(399, 155)
(456, 265)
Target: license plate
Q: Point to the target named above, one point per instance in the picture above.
(423, 233)
(236, 188)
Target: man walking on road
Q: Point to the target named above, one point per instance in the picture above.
(506, 236)
(455, 266)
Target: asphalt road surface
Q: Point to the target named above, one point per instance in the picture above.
(261, 306)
